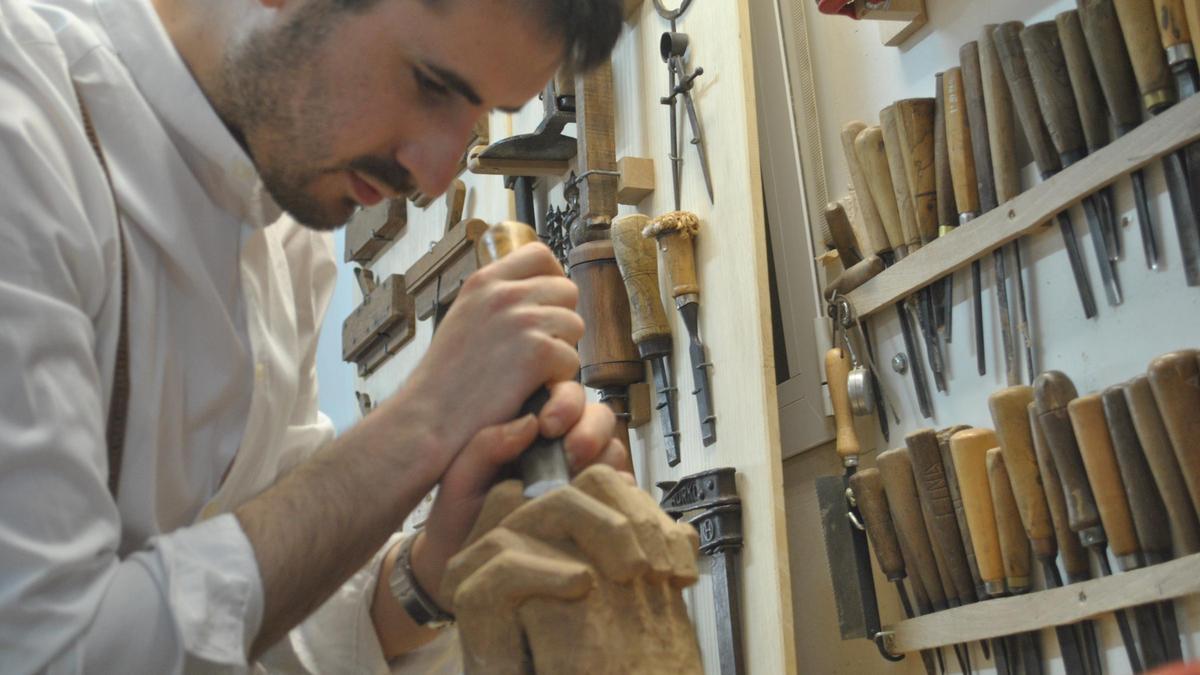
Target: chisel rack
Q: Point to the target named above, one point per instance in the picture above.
(1032, 210)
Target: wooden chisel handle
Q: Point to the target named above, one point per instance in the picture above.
(1088, 98)
(958, 144)
(867, 486)
(1014, 547)
(964, 529)
(915, 121)
(1160, 455)
(837, 372)
(1001, 124)
(1052, 391)
(972, 81)
(904, 203)
(843, 234)
(1052, 82)
(1172, 24)
(877, 239)
(1191, 9)
(676, 233)
(947, 208)
(1074, 557)
(1175, 378)
(1100, 461)
(933, 490)
(1150, 521)
(872, 156)
(1007, 37)
(901, 488)
(854, 277)
(1010, 414)
(637, 258)
(1145, 51)
(1111, 60)
(969, 449)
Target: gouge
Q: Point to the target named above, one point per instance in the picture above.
(1020, 84)
(889, 122)
(947, 209)
(964, 529)
(1175, 379)
(637, 259)
(1177, 40)
(1014, 550)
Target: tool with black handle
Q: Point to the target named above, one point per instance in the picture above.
(1052, 82)
(947, 209)
(1175, 379)
(1014, 550)
(1020, 83)
(1052, 392)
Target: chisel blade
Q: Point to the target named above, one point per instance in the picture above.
(665, 404)
(1012, 370)
(1149, 238)
(1104, 259)
(1184, 209)
(1078, 270)
(916, 368)
(1100, 555)
(700, 365)
(1074, 661)
(728, 613)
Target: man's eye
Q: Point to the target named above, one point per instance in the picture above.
(429, 85)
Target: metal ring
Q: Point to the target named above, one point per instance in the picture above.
(672, 14)
(880, 641)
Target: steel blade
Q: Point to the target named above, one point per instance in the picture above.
(1150, 635)
(698, 141)
(1100, 555)
(1023, 312)
(700, 365)
(1108, 271)
(1012, 372)
(1068, 642)
(876, 389)
(665, 404)
(933, 349)
(1108, 221)
(1078, 270)
(1031, 653)
(1170, 627)
(977, 297)
(728, 612)
(1184, 209)
(1149, 239)
(916, 368)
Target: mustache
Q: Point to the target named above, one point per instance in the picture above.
(387, 171)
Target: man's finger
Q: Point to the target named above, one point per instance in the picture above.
(563, 409)
(589, 436)
(530, 260)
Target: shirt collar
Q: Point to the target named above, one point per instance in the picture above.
(206, 145)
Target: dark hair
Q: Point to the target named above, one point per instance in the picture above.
(588, 28)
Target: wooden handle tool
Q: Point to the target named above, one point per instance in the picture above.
(1010, 414)
(934, 492)
(947, 207)
(637, 258)
(1052, 84)
(1173, 28)
(1014, 547)
(1191, 9)
(1175, 378)
(889, 122)
(877, 238)
(843, 234)
(1089, 98)
(1074, 557)
(1106, 45)
(1007, 37)
(837, 372)
(1140, 30)
(964, 528)
(977, 121)
(969, 449)
(1160, 455)
(872, 156)
(1150, 520)
(872, 502)
(854, 277)
(915, 118)
(1100, 462)
(1001, 123)
(677, 243)
(1052, 392)
(958, 144)
(901, 488)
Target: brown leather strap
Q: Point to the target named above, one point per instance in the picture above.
(118, 409)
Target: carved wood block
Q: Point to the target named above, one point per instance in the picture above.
(436, 277)
(365, 242)
(636, 181)
(380, 326)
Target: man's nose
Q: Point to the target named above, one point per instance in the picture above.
(433, 156)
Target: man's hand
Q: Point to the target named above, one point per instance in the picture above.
(588, 576)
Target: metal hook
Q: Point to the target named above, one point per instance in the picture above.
(882, 640)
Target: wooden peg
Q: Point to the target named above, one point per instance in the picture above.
(636, 180)
(456, 201)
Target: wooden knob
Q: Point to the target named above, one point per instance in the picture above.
(501, 239)
(1160, 455)
(854, 277)
(964, 528)
(1088, 98)
(637, 257)
(1106, 45)
(947, 207)
(1145, 51)
(676, 233)
(1074, 557)
(1007, 37)
(1176, 383)
(969, 449)
(1052, 82)
(837, 370)
(934, 492)
(867, 486)
(889, 122)
(972, 80)
(901, 488)
(1150, 521)
(1014, 547)
(915, 122)
(1100, 461)
(1010, 414)
(1052, 392)
(877, 239)
(1001, 125)
(1172, 24)
(843, 234)
(872, 156)
(958, 144)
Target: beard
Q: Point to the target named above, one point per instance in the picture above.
(275, 101)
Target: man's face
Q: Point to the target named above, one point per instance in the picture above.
(344, 108)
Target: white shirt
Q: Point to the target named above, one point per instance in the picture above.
(223, 320)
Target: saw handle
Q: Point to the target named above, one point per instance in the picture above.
(1074, 557)
(637, 258)
(1106, 45)
(1010, 414)
(1100, 461)
(1088, 97)
(1007, 37)
(1052, 391)
(1150, 69)
(914, 118)
(837, 373)
(867, 486)
(958, 144)
(900, 485)
(1001, 125)
(969, 449)
(1145, 505)
(1052, 82)
(1175, 378)
(1014, 547)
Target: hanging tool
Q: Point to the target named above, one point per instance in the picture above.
(672, 47)
(1016, 72)
(637, 259)
(1099, 460)
(1010, 413)
(867, 487)
(676, 233)
(946, 207)
(1052, 82)
(1175, 379)
(966, 189)
(1002, 137)
(596, 156)
(1177, 40)
(964, 529)
(1052, 392)
(1139, 27)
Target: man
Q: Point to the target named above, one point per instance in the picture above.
(222, 528)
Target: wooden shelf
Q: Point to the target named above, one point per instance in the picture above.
(1044, 609)
(1034, 208)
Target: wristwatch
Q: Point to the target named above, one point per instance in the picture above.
(420, 607)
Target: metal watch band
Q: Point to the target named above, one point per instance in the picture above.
(415, 601)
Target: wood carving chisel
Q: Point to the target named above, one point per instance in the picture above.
(1010, 414)
(1139, 28)
(1106, 45)
(1145, 505)
(676, 233)
(1002, 135)
(1178, 42)
(867, 486)
(1100, 463)
(1052, 82)
(966, 189)
(1052, 392)
(964, 529)
(947, 209)
(1020, 83)
(1175, 379)
(637, 258)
